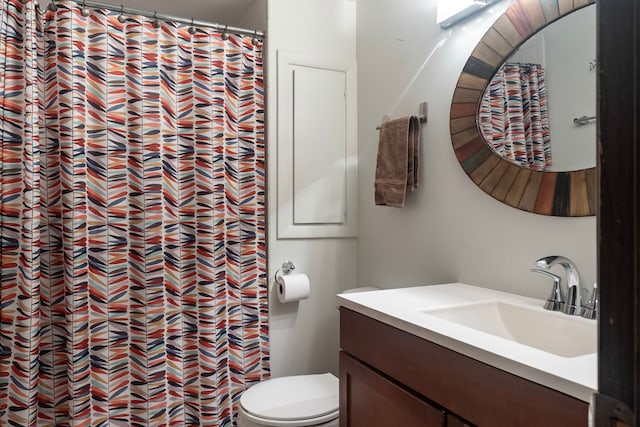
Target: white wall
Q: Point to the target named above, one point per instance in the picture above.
(256, 16)
(304, 335)
(450, 230)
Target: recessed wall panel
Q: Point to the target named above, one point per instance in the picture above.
(319, 146)
(317, 151)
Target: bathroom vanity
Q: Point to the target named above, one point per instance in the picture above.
(402, 364)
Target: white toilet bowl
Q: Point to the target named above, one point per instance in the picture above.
(295, 401)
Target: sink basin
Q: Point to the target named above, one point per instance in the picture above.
(552, 332)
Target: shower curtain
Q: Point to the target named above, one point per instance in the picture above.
(514, 115)
(132, 220)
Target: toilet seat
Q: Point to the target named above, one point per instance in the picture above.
(303, 400)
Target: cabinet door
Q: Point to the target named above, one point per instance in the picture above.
(367, 399)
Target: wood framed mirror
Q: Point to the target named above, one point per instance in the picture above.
(562, 193)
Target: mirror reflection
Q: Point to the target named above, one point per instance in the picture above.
(538, 110)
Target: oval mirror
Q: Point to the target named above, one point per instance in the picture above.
(512, 134)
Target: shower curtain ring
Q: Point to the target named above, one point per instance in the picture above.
(192, 29)
(53, 7)
(85, 10)
(225, 36)
(255, 38)
(121, 18)
(156, 22)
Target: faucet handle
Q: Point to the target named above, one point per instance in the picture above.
(591, 309)
(556, 300)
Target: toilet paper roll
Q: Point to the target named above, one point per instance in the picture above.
(292, 287)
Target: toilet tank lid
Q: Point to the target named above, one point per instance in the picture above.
(293, 398)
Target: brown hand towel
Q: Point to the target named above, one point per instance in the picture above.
(398, 161)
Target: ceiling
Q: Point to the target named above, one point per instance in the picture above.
(229, 12)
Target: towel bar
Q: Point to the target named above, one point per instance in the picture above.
(422, 116)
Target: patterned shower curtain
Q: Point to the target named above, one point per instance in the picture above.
(514, 116)
(132, 227)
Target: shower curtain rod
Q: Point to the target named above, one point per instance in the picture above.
(161, 16)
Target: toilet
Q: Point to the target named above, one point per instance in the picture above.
(293, 401)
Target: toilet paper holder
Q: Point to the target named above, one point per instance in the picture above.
(286, 268)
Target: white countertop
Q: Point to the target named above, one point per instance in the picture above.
(402, 308)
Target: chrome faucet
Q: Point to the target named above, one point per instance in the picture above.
(573, 301)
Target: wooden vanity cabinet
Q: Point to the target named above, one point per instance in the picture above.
(390, 378)
(373, 400)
